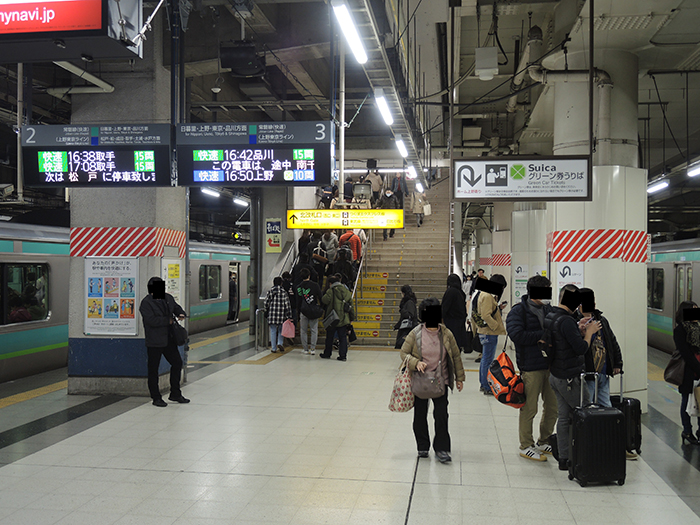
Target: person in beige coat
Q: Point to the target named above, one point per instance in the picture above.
(488, 323)
(418, 202)
(427, 346)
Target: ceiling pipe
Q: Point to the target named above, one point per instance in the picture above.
(99, 85)
(549, 76)
(531, 53)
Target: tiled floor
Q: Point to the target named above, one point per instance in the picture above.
(301, 440)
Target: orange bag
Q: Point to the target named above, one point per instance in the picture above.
(506, 385)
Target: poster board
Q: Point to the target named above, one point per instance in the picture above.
(111, 295)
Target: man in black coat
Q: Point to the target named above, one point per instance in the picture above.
(158, 310)
(525, 325)
(565, 373)
(454, 310)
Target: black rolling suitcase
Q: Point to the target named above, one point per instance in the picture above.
(632, 409)
(597, 447)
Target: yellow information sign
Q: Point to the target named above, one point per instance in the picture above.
(335, 219)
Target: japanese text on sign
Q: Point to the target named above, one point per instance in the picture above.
(332, 219)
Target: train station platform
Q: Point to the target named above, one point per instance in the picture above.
(295, 439)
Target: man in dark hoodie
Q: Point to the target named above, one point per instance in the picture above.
(454, 310)
(569, 348)
(158, 310)
(525, 325)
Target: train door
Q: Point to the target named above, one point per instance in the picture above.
(684, 283)
(234, 287)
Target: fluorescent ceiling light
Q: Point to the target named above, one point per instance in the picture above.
(342, 13)
(380, 170)
(694, 171)
(383, 106)
(212, 193)
(657, 186)
(419, 187)
(401, 146)
(240, 202)
(412, 172)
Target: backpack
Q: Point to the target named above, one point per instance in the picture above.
(546, 343)
(476, 317)
(507, 386)
(320, 255)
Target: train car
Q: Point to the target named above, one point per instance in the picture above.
(34, 268)
(213, 299)
(669, 282)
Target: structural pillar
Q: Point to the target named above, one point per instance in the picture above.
(99, 364)
(617, 215)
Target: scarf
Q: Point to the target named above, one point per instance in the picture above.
(693, 331)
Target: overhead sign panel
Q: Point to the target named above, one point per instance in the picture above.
(523, 178)
(17, 16)
(254, 154)
(335, 219)
(96, 156)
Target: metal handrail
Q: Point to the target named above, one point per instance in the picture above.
(360, 270)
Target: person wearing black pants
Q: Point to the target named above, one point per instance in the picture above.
(431, 347)
(442, 439)
(158, 311)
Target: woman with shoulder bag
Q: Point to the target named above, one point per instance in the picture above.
(686, 336)
(407, 315)
(430, 348)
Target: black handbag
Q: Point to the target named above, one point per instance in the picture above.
(311, 310)
(352, 336)
(179, 333)
(675, 370)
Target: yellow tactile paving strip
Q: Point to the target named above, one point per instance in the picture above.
(31, 394)
(212, 340)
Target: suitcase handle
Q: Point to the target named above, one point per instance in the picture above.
(622, 392)
(595, 392)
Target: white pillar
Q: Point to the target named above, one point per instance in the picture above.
(619, 204)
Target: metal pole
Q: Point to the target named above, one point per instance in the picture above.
(341, 135)
(20, 121)
(591, 72)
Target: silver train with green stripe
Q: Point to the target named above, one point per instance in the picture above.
(670, 282)
(34, 267)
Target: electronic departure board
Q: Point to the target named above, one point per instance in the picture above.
(92, 156)
(250, 154)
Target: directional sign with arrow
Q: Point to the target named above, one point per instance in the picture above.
(466, 174)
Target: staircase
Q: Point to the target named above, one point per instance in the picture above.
(414, 256)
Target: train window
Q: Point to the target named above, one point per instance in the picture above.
(655, 288)
(27, 288)
(209, 282)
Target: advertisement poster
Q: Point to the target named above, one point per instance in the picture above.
(172, 273)
(111, 295)
(520, 277)
(273, 235)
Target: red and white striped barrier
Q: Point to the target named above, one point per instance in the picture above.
(500, 259)
(125, 242)
(584, 245)
(485, 261)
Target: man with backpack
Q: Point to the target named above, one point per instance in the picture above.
(525, 324)
(565, 348)
(310, 309)
(488, 323)
(354, 241)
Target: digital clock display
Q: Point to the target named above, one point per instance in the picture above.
(254, 165)
(115, 166)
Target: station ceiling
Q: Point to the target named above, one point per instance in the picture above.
(300, 48)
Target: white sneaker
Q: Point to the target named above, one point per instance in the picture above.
(544, 448)
(312, 352)
(305, 352)
(533, 453)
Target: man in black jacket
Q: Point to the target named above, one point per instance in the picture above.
(525, 325)
(158, 310)
(565, 373)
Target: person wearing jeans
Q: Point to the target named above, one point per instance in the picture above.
(308, 296)
(278, 310)
(489, 315)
